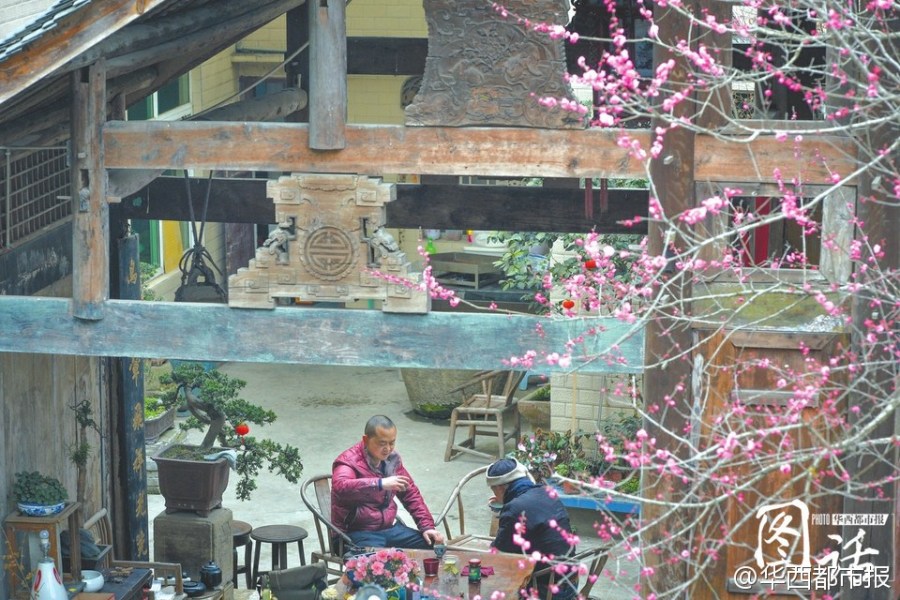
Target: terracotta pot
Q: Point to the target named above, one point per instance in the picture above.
(570, 488)
(191, 485)
(429, 390)
(536, 412)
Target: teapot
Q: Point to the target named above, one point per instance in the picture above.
(210, 574)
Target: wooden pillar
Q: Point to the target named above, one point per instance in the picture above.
(130, 470)
(327, 74)
(90, 258)
(877, 383)
(297, 70)
(718, 101)
(668, 338)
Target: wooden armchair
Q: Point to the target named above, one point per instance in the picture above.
(333, 543)
(595, 558)
(101, 525)
(457, 537)
(486, 413)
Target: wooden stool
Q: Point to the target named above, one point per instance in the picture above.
(240, 536)
(279, 536)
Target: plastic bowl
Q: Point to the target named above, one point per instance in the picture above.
(93, 580)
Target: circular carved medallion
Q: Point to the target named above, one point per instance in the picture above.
(329, 253)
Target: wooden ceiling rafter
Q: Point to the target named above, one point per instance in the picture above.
(173, 26)
(138, 72)
(73, 35)
(198, 44)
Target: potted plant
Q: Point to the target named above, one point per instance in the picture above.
(39, 495)
(616, 432)
(194, 477)
(534, 407)
(526, 259)
(434, 393)
(546, 453)
(158, 418)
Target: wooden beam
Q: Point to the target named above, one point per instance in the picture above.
(485, 151)
(266, 108)
(89, 25)
(90, 239)
(428, 206)
(386, 56)
(176, 25)
(812, 160)
(200, 44)
(323, 336)
(327, 74)
(371, 149)
(513, 209)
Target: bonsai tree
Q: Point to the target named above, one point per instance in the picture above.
(80, 451)
(31, 487)
(212, 397)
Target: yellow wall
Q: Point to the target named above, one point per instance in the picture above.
(371, 98)
(374, 99)
(386, 18)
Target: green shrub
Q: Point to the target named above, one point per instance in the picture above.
(153, 407)
(32, 487)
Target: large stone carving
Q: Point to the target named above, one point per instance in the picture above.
(329, 245)
(486, 69)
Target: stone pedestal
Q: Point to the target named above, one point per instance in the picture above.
(193, 541)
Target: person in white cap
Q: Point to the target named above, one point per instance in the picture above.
(544, 518)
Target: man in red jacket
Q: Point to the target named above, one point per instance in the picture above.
(365, 478)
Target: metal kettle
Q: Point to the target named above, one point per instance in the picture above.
(210, 575)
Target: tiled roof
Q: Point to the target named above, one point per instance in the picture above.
(18, 40)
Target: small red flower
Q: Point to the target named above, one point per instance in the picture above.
(568, 304)
(590, 264)
(242, 429)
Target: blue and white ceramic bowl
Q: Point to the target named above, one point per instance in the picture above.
(40, 510)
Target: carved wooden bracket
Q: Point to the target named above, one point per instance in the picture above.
(329, 246)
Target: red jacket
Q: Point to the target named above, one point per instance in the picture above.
(357, 503)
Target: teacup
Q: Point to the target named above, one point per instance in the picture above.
(439, 550)
(431, 566)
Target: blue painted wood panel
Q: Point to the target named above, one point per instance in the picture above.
(311, 335)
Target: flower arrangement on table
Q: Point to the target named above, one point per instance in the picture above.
(388, 567)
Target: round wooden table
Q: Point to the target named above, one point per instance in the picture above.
(279, 536)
